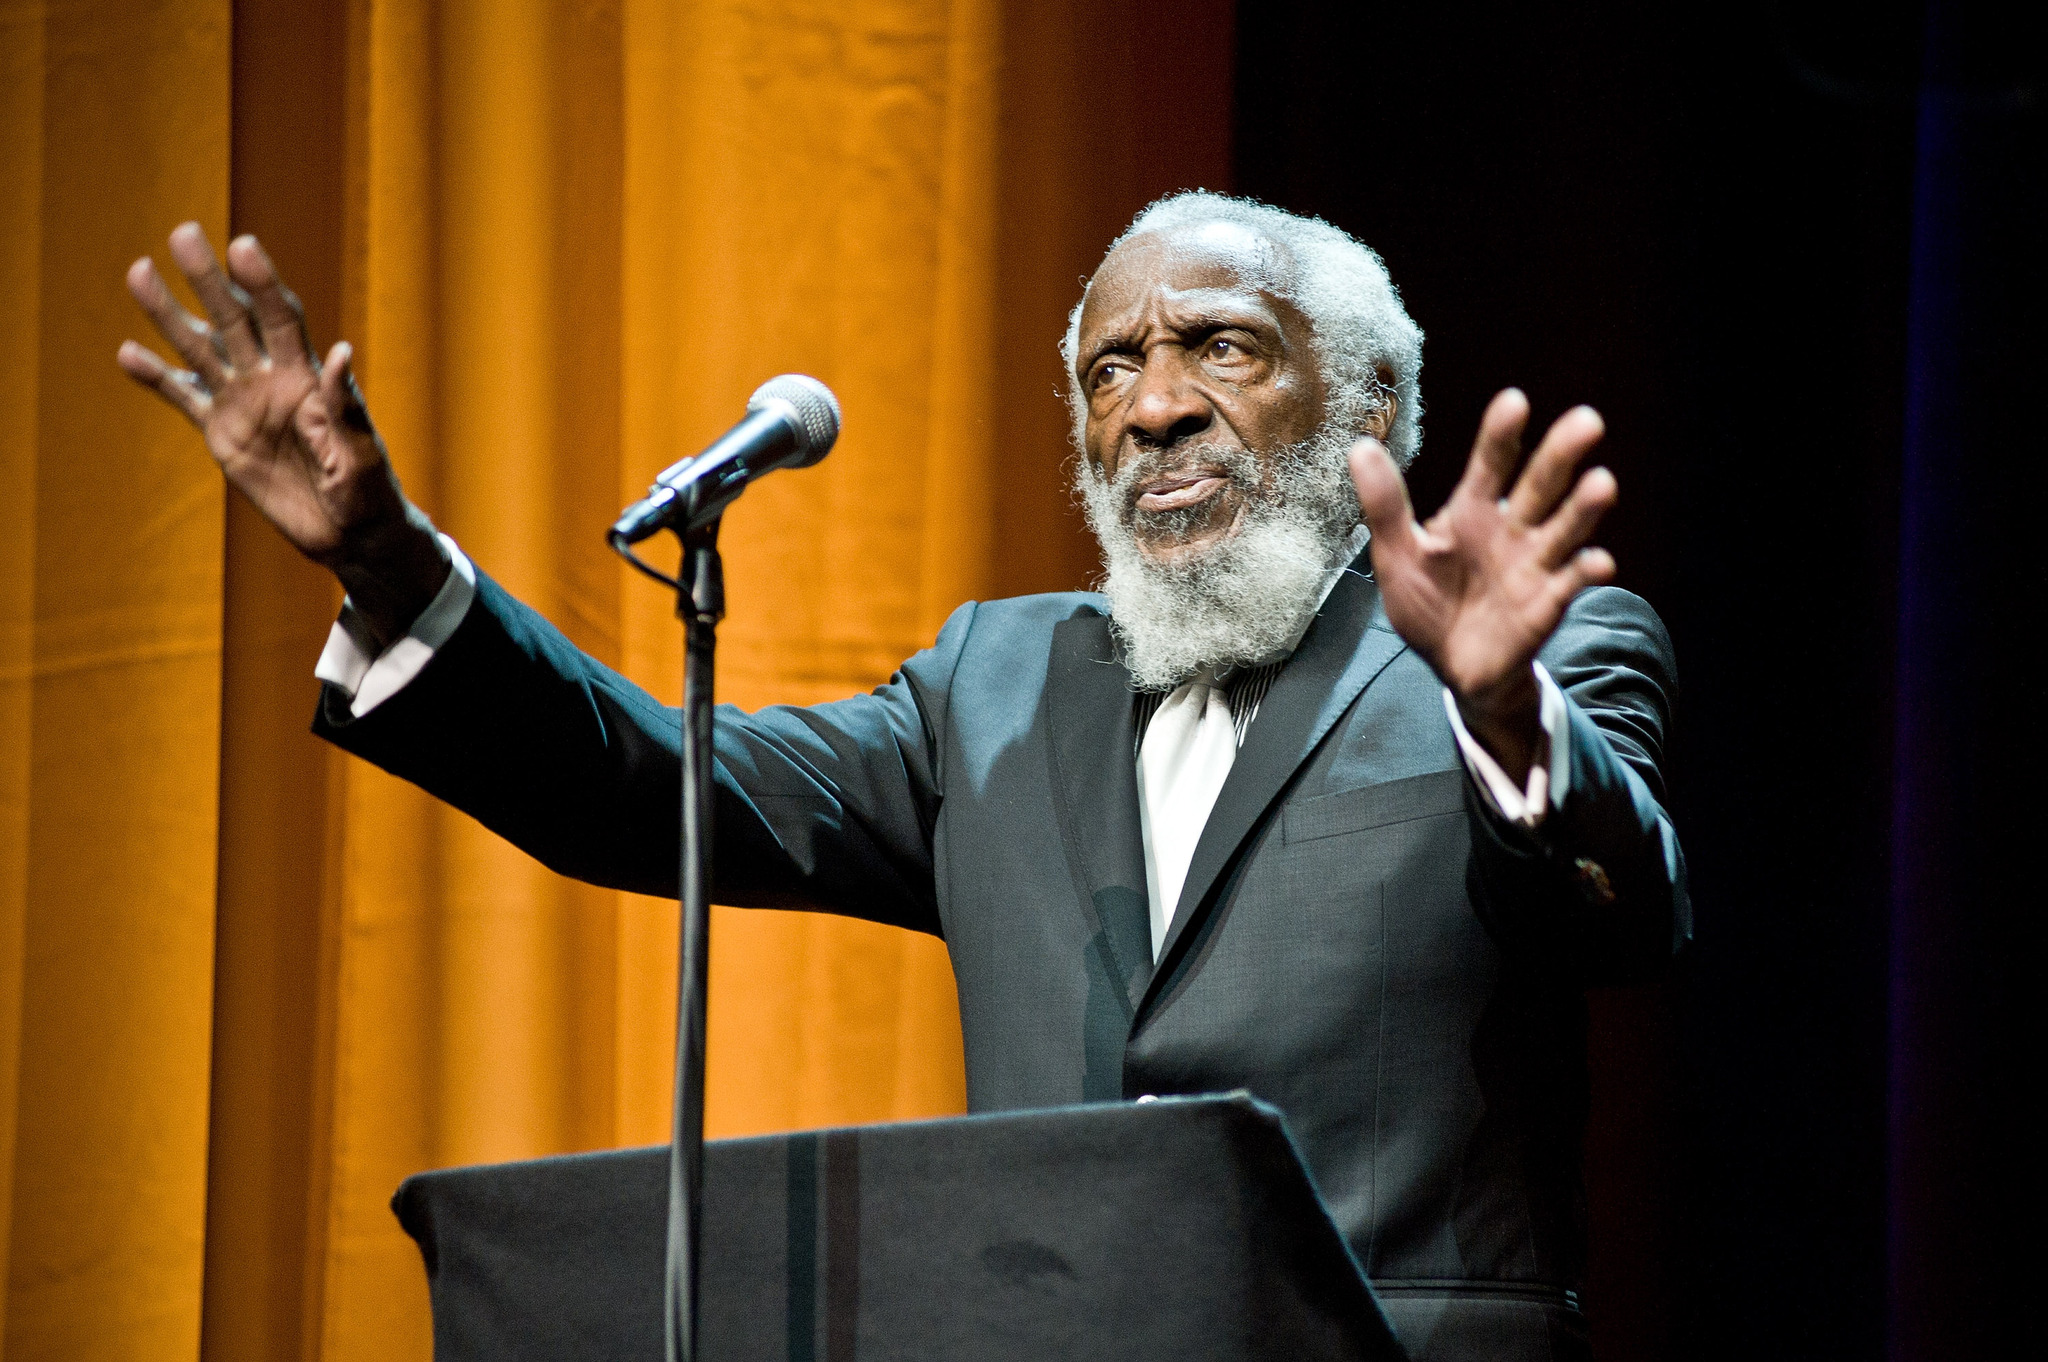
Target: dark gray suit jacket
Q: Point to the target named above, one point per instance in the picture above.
(1359, 942)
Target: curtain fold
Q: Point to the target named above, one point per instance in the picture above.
(247, 985)
(110, 637)
(21, 197)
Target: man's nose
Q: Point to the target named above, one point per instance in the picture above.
(1167, 406)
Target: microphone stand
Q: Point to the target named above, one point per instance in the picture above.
(700, 604)
(789, 418)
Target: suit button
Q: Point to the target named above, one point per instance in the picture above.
(1594, 885)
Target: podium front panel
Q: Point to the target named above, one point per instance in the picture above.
(1184, 1229)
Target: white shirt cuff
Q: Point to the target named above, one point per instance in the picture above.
(351, 664)
(1549, 773)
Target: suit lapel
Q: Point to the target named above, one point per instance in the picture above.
(1337, 659)
(1094, 740)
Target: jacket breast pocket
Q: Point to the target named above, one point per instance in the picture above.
(1373, 806)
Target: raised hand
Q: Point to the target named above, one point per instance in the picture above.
(1479, 586)
(291, 434)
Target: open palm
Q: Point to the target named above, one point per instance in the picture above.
(1481, 585)
(287, 432)
(290, 433)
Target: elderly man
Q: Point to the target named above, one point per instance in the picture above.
(1349, 819)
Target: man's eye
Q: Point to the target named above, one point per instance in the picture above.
(1106, 374)
(1224, 348)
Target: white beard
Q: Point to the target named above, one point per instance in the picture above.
(1244, 599)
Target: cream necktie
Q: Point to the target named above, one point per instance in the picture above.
(1187, 752)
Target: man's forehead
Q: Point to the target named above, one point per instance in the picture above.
(1213, 257)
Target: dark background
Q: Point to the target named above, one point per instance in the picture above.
(1793, 254)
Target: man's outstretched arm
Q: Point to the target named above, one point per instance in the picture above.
(827, 807)
(503, 716)
(1559, 695)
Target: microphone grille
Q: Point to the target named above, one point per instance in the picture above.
(817, 412)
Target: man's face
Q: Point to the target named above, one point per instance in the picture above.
(1194, 373)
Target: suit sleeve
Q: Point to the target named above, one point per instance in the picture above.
(1598, 891)
(828, 807)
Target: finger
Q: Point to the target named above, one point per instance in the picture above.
(1498, 447)
(340, 392)
(278, 312)
(178, 387)
(1555, 464)
(226, 304)
(190, 337)
(1588, 567)
(1595, 567)
(1574, 522)
(1383, 497)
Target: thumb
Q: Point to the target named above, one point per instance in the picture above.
(341, 394)
(1383, 497)
(336, 379)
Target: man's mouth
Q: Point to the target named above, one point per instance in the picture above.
(1178, 492)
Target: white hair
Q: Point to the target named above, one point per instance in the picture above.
(1358, 328)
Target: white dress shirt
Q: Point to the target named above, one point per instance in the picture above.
(1185, 752)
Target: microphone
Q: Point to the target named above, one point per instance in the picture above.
(791, 422)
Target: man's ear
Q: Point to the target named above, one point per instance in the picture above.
(1380, 422)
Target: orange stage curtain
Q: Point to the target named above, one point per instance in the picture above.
(110, 673)
(248, 984)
